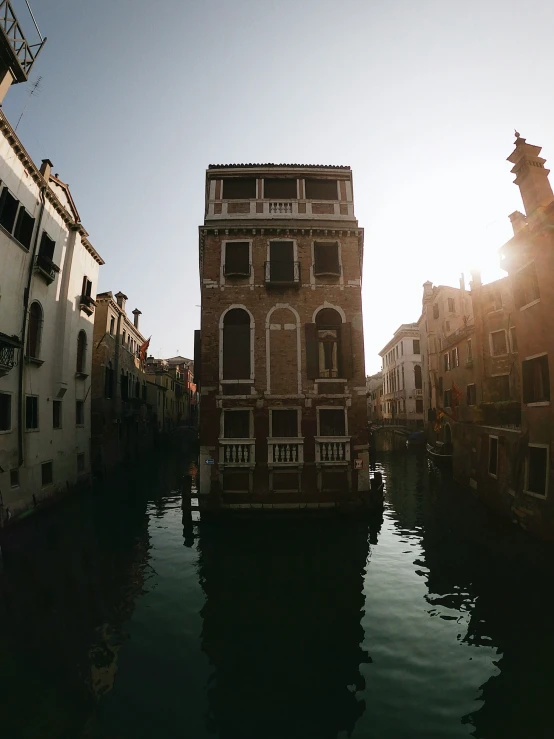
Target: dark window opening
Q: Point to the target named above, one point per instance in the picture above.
(451, 305)
(236, 424)
(500, 388)
(47, 473)
(80, 463)
(321, 189)
(536, 380)
(8, 209)
(239, 188)
(31, 412)
(493, 455)
(124, 387)
(81, 351)
(24, 228)
(280, 188)
(328, 322)
(236, 345)
(87, 287)
(332, 422)
(498, 343)
(326, 258)
(419, 405)
(47, 246)
(5, 412)
(14, 478)
(448, 398)
(281, 262)
(112, 325)
(284, 423)
(237, 259)
(56, 414)
(436, 310)
(417, 377)
(80, 412)
(471, 395)
(108, 381)
(537, 470)
(34, 330)
(416, 346)
(526, 286)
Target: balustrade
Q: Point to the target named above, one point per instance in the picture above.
(285, 451)
(236, 452)
(280, 208)
(333, 450)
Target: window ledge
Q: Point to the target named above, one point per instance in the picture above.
(81, 375)
(535, 495)
(12, 238)
(31, 431)
(528, 305)
(237, 382)
(34, 360)
(6, 431)
(538, 404)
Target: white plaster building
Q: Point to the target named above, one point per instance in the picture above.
(402, 400)
(48, 273)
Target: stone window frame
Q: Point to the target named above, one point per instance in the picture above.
(313, 276)
(526, 480)
(492, 474)
(231, 410)
(331, 408)
(506, 340)
(298, 410)
(10, 394)
(224, 243)
(247, 381)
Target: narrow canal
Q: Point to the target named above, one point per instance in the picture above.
(119, 619)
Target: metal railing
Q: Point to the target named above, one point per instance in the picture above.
(282, 273)
(46, 266)
(8, 356)
(24, 52)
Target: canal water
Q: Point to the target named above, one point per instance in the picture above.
(121, 618)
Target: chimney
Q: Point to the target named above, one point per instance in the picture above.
(462, 283)
(121, 299)
(427, 291)
(136, 314)
(531, 175)
(475, 279)
(46, 168)
(518, 220)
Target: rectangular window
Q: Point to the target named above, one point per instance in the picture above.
(513, 339)
(284, 423)
(317, 189)
(8, 209)
(80, 412)
(536, 380)
(448, 325)
(326, 258)
(112, 325)
(31, 412)
(80, 463)
(47, 246)
(56, 414)
(435, 310)
(493, 456)
(446, 360)
(440, 386)
(5, 412)
(402, 349)
(416, 346)
(87, 287)
(332, 422)
(526, 286)
(471, 394)
(448, 398)
(537, 470)
(281, 262)
(237, 259)
(14, 478)
(24, 228)
(500, 388)
(498, 343)
(469, 351)
(236, 424)
(47, 474)
(280, 188)
(455, 357)
(451, 305)
(419, 405)
(239, 188)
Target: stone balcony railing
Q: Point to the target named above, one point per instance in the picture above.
(263, 209)
(331, 450)
(237, 452)
(285, 452)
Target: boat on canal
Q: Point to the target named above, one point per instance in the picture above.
(440, 454)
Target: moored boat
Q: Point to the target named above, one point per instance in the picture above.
(440, 454)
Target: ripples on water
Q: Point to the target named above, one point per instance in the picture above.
(120, 618)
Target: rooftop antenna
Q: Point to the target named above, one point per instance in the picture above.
(35, 90)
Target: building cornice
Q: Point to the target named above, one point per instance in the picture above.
(34, 172)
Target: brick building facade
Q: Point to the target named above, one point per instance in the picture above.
(283, 410)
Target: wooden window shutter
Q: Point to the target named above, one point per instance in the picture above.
(347, 369)
(312, 359)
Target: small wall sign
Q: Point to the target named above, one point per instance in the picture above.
(358, 464)
(210, 461)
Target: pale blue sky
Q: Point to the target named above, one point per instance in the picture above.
(420, 98)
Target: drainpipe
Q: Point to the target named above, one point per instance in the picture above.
(26, 296)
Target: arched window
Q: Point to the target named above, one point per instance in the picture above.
(328, 322)
(81, 351)
(236, 345)
(34, 330)
(417, 377)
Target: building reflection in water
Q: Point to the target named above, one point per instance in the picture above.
(493, 580)
(281, 625)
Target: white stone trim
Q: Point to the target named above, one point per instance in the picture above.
(268, 328)
(326, 304)
(526, 481)
(223, 256)
(252, 338)
(332, 408)
(491, 474)
(296, 408)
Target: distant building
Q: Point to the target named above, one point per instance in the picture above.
(186, 370)
(402, 400)
(175, 409)
(283, 413)
(374, 385)
(122, 424)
